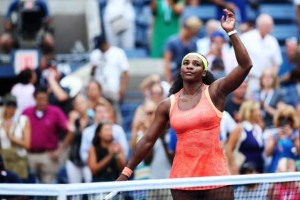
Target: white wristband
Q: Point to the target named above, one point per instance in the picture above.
(231, 33)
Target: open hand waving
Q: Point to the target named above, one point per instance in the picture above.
(228, 24)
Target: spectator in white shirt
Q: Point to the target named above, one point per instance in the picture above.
(110, 67)
(119, 23)
(204, 44)
(219, 50)
(24, 89)
(227, 126)
(263, 48)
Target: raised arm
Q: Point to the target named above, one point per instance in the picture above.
(144, 146)
(222, 87)
(224, 4)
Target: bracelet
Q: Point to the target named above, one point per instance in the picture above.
(231, 32)
(127, 172)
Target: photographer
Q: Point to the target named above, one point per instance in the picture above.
(27, 22)
(289, 72)
(285, 142)
(58, 94)
(50, 77)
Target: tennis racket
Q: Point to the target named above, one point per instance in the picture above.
(111, 195)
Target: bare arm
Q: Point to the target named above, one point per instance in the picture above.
(121, 160)
(133, 138)
(224, 4)
(71, 128)
(62, 147)
(67, 141)
(276, 68)
(144, 146)
(58, 92)
(272, 194)
(230, 147)
(135, 126)
(297, 142)
(167, 66)
(222, 87)
(112, 115)
(153, 6)
(176, 7)
(93, 71)
(97, 166)
(270, 146)
(25, 141)
(145, 84)
(270, 110)
(220, 3)
(124, 83)
(48, 21)
(7, 25)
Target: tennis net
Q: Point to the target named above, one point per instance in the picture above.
(255, 186)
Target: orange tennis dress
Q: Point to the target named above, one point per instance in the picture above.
(198, 149)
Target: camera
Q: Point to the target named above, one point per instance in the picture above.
(52, 63)
(285, 121)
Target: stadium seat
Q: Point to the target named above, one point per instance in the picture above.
(281, 13)
(205, 12)
(136, 53)
(127, 112)
(281, 32)
(250, 13)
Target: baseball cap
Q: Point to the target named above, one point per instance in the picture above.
(218, 34)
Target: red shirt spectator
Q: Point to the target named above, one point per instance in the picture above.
(47, 123)
(45, 130)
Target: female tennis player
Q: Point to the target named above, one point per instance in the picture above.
(194, 110)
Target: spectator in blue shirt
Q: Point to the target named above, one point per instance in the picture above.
(179, 45)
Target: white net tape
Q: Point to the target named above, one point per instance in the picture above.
(100, 190)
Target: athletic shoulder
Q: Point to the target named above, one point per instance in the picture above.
(164, 106)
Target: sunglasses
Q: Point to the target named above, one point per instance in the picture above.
(11, 104)
(285, 120)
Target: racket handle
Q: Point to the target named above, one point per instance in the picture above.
(111, 195)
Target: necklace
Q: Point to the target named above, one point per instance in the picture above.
(191, 97)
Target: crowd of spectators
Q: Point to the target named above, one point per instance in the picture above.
(45, 128)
